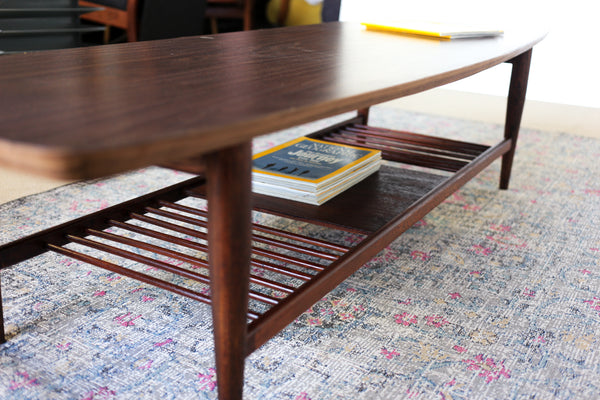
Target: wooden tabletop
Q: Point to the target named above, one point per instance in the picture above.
(88, 112)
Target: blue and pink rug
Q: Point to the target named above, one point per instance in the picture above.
(493, 295)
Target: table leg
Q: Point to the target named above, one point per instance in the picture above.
(2, 332)
(364, 114)
(514, 111)
(228, 174)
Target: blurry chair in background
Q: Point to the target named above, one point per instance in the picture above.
(29, 25)
(122, 14)
(149, 19)
(242, 10)
(164, 19)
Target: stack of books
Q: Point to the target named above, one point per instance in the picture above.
(311, 170)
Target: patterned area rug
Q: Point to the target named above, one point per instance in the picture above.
(494, 295)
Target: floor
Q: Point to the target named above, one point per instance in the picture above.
(538, 115)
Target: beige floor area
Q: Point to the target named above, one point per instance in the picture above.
(538, 115)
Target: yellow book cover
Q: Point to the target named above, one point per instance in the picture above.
(312, 197)
(441, 30)
(310, 164)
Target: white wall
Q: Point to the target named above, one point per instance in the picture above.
(566, 65)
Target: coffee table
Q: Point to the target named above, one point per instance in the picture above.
(90, 112)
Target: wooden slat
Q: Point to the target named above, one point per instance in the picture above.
(161, 265)
(35, 244)
(280, 269)
(262, 228)
(138, 276)
(406, 147)
(197, 262)
(203, 248)
(432, 141)
(409, 157)
(204, 236)
(361, 137)
(257, 238)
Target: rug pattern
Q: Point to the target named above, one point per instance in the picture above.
(493, 295)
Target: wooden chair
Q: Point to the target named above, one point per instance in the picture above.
(230, 9)
(163, 19)
(31, 25)
(121, 14)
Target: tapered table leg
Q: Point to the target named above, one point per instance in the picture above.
(2, 332)
(514, 111)
(228, 174)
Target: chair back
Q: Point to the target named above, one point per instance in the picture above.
(163, 19)
(28, 25)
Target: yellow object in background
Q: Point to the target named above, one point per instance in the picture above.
(441, 30)
(300, 12)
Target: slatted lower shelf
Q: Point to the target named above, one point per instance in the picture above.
(172, 238)
(406, 147)
(161, 238)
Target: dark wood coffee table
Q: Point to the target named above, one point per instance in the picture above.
(90, 112)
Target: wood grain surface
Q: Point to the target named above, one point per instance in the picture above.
(88, 112)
